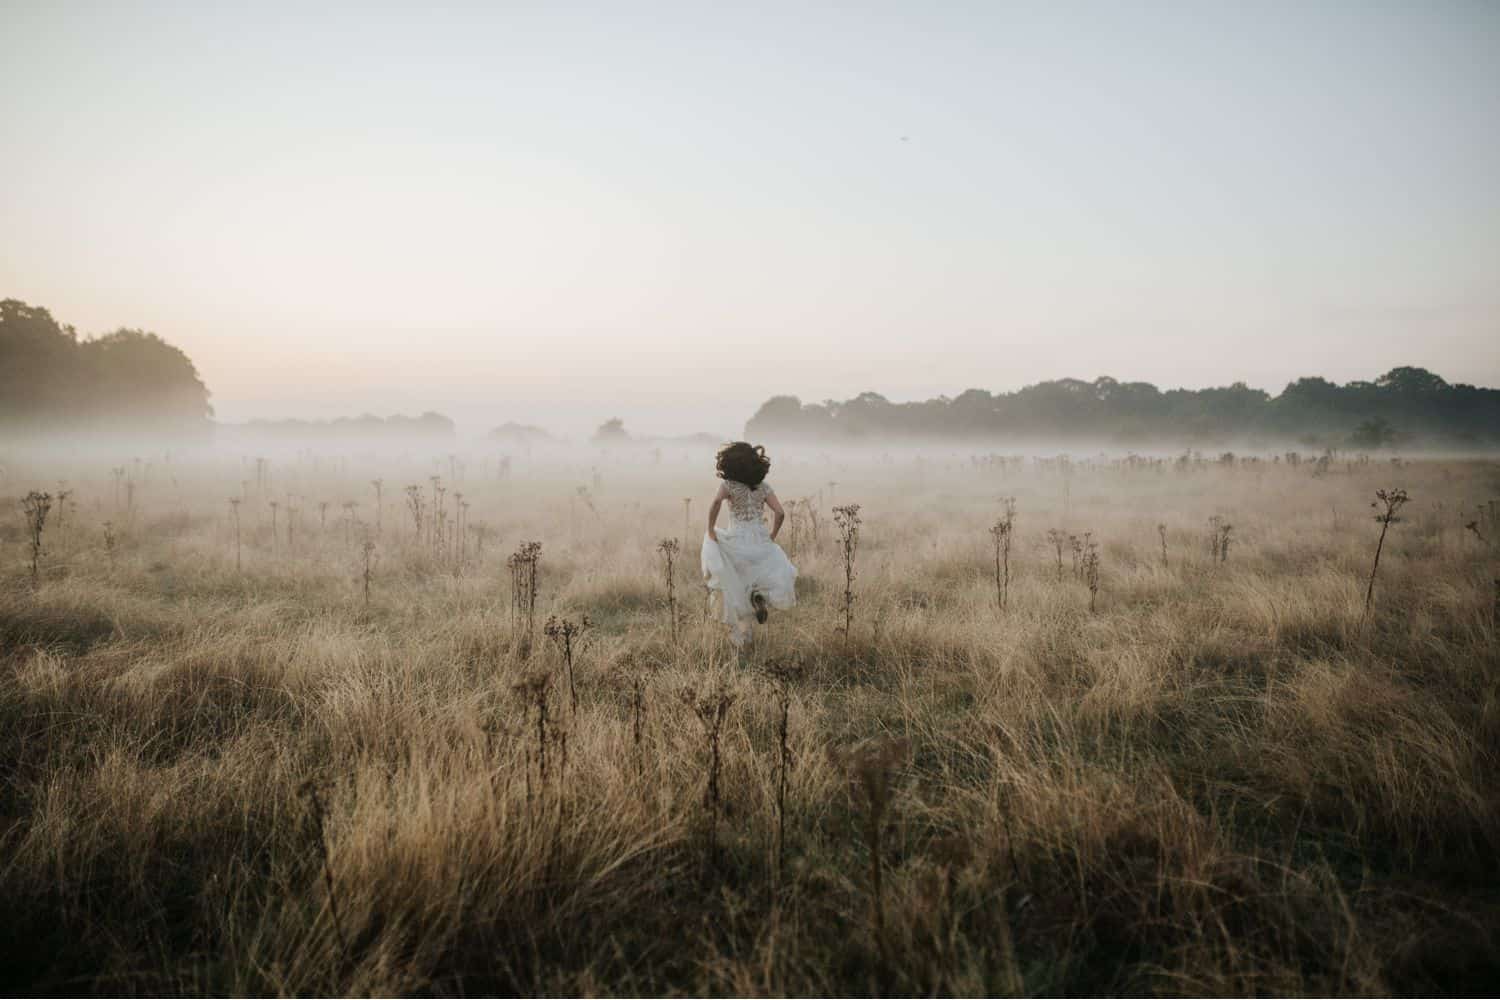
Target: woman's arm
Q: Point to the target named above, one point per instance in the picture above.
(713, 511)
(775, 506)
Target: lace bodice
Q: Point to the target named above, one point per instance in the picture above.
(747, 504)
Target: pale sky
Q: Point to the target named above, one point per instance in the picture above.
(558, 213)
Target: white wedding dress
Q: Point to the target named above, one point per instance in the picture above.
(744, 561)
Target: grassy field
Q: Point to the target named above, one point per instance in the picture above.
(1224, 778)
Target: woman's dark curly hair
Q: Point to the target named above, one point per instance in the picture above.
(743, 462)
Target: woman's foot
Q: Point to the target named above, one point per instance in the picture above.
(739, 634)
(758, 602)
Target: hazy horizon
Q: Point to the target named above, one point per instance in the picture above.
(556, 215)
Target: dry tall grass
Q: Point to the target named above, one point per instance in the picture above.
(226, 769)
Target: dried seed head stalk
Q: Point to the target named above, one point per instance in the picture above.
(234, 510)
(523, 586)
(712, 709)
(871, 767)
(1091, 569)
(533, 690)
(848, 521)
(1057, 538)
(633, 670)
(371, 560)
(1218, 538)
(783, 675)
(567, 634)
(1387, 504)
(36, 506)
(669, 548)
(1003, 531)
(416, 506)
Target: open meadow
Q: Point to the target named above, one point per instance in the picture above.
(271, 728)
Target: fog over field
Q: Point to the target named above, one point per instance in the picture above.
(791, 499)
(393, 720)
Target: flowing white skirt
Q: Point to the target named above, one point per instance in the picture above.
(744, 561)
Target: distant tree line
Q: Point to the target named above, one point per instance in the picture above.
(1405, 405)
(521, 435)
(50, 380)
(612, 434)
(426, 426)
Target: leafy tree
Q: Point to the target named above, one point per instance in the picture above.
(612, 431)
(1411, 380)
(1373, 433)
(140, 377)
(128, 379)
(41, 378)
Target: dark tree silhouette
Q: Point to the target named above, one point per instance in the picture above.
(612, 431)
(126, 380)
(1373, 433)
(41, 377)
(142, 377)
